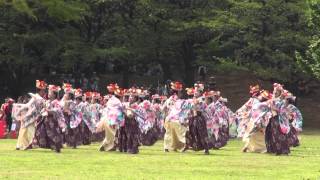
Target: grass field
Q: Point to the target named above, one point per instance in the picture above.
(152, 163)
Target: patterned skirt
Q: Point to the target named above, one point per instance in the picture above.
(72, 136)
(48, 134)
(85, 134)
(276, 142)
(150, 138)
(132, 132)
(197, 137)
(121, 139)
(293, 139)
(222, 140)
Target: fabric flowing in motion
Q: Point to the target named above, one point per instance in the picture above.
(276, 141)
(198, 134)
(48, 134)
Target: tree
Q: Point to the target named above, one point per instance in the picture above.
(269, 35)
(181, 29)
(309, 61)
(28, 39)
(74, 36)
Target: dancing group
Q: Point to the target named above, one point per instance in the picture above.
(269, 122)
(194, 118)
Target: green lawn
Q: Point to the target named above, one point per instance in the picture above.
(152, 163)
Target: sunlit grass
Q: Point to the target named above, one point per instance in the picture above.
(152, 163)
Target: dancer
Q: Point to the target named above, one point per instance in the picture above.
(279, 126)
(296, 121)
(112, 119)
(131, 126)
(146, 118)
(71, 115)
(232, 118)
(254, 143)
(243, 113)
(95, 110)
(51, 124)
(198, 133)
(28, 114)
(88, 127)
(254, 135)
(157, 103)
(121, 135)
(217, 120)
(176, 123)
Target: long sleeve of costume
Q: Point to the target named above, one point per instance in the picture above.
(95, 112)
(54, 108)
(159, 115)
(179, 112)
(113, 113)
(30, 112)
(145, 116)
(86, 117)
(260, 116)
(212, 121)
(296, 116)
(243, 115)
(279, 105)
(217, 117)
(77, 112)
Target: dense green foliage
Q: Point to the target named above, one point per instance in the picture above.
(310, 61)
(41, 36)
(87, 162)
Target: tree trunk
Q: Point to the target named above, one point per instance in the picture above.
(166, 70)
(189, 58)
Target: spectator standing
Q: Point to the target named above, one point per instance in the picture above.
(7, 109)
(71, 80)
(94, 82)
(202, 72)
(84, 82)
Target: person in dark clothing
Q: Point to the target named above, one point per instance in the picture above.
(7, 109)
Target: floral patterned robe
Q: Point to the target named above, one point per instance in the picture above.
(55, 108)
(73, 132)
(217, 117)
(145, 116)
(27, 114)
(95, 112)
(180, 111)
(260, 115)
(30, 112)
(243, 115)
(49, 127)
(281, 108)
(113, 113)
(77, 117)
(156, 108)
(296, 116)
(197, 135)
(87, 117)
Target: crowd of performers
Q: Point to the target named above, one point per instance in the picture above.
(269, 122)
(194, 118)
